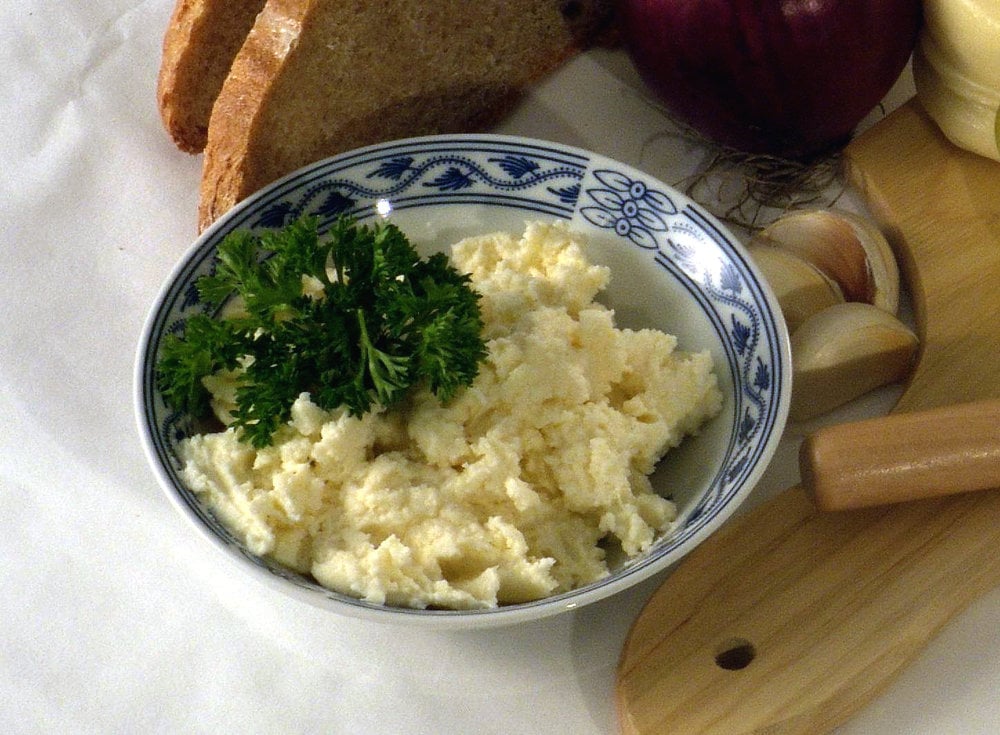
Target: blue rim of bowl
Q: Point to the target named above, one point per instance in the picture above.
(544, 179)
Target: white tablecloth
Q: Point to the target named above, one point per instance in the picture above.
(114, 616)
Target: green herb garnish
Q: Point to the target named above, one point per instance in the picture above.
(376, 320)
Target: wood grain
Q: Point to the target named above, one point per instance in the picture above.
(940, 206)
(903, 456)
(812, 614)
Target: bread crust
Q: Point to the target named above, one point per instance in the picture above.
(200, 42)
(318, 77)
(244, 94)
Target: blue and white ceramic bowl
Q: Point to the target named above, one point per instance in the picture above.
(673, 267)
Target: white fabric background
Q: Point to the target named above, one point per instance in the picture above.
(114, 616)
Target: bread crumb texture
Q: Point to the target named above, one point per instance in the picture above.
(199, 44)
(319, 77)
(513, 491)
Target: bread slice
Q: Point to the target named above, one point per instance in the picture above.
(199, 45)
(318, 77)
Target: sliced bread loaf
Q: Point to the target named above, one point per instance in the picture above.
(318, 77)
(199, 45)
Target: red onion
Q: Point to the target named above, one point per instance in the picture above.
(785, 77)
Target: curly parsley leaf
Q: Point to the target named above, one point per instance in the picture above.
(207, 347)
(376, 320)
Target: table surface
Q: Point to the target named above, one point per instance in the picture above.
(116, 617)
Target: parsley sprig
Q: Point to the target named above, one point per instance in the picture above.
(377, 320)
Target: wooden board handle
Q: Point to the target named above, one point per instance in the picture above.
(902, 457)
(787, 620)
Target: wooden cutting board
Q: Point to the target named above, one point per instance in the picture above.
(789, 620)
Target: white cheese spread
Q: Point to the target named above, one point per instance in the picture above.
(511, 492)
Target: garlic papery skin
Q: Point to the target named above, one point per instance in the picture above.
(883, 269)
(848, 248)
(800, 287)
(844, 352)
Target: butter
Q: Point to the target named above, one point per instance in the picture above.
(956, 71)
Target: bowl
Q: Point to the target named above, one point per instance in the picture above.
(673, 267)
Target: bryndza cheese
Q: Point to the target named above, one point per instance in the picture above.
(511, 492)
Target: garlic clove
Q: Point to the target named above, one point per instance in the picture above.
(848, 248)
(883, 270)
(827, 241)
(844, 352)
(800, 287)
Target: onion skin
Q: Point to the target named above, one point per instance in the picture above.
(791, 78)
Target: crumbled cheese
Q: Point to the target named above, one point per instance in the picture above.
(511, 492)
